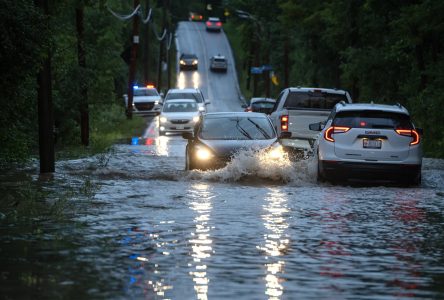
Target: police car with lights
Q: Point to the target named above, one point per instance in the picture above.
(146, 100)
(363, 141)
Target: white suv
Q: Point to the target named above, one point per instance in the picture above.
(369, 141)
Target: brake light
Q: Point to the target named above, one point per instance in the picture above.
(219, 24)
(412, 133)
(208, 23)
(284, 122)
(328, 134)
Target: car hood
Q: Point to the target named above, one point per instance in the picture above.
(179, 115)
(145, 99)
(224, 148)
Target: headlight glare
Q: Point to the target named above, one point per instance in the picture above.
(163, 120)
(276, 152)
(196, 119)
(203, 153)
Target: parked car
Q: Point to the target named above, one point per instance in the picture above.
(213, 24)
(178, 116)
(189, 93)
(146, 100)
(369, 141)
(188, 61)
(297, 107)
(261, 104)
(218, 63)
(218, 136)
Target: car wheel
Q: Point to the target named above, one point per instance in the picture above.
(415, 181)
(320, 174)
(189, 165)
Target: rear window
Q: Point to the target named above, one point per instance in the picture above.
(313, 100)
(236, 128)
(194, 96)
(145, 92)
(372, 119)
(257, 105)
(219, 59)
(180, 107)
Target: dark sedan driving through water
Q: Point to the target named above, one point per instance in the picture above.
(219, 136)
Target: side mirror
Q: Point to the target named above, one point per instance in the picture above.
(188, 135)
(162, 94)
(207, 102)
(420, 131)
(285, 135)
(244, 106)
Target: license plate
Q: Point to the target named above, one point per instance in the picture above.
(372, 144)
(179, 127)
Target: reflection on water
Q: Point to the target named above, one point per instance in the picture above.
(200, 241)
(276, 241)
(188, 80)
(196, 80)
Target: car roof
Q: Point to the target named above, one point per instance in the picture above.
(397, 108)
(187, 90)
(234, 114)
(314, 89)
(181, 100)
(262, 99)
(188, 55)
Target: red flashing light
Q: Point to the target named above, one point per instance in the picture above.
(328, 134)
(412, 133)
(362, 124)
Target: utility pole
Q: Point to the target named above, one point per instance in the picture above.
(133, 60)
(161, 49)
(81, 56)
(146, 50)
(45, 108)
(168, 37)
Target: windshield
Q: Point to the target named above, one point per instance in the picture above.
(313, 100)
(145, 92)
(236, 128)
(194, 96)
(372, 119)
(180, 107)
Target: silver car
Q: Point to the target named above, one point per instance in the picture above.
(218, 63)
(188, 93)
(369, 141)
(178, 116)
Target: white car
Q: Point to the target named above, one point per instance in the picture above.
(146, 100)
(189, 93)
(218, 63)
(178, 116)
(369, 141)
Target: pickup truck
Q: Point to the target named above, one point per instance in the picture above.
(297, 107)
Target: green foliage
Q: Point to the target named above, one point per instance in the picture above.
(382, 51)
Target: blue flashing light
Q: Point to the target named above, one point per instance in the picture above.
(135, 87)
(135, 141)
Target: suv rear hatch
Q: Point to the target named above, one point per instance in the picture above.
(371, 135)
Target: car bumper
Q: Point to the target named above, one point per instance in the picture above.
(336, 170)
(188, 67)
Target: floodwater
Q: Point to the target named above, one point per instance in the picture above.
(135, 225)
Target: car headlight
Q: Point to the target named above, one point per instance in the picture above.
(163, 120)
(203, 153)
(201, 108)
(276, 152)
(182, 62)
(195, 62)
(196, 119)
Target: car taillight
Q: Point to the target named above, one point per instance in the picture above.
(412, 133)
(328, 134)
(284, 122)
(208, 23)
(219, 24)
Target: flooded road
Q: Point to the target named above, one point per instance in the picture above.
(132, 224)
(143, 228)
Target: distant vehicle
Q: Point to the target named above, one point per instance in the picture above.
(178, 116)
(297, 107)
(369, 141)
(146, 100)
(218, 63)
(213, 24)
(261, 104)
(188, 61)
(189, 93)
(218, 136)
(195, 17)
